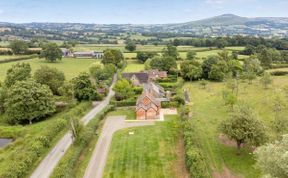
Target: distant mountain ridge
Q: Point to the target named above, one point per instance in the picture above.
(222, 25)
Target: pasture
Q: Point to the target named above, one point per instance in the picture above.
(134, 66)
(70, 66)
(209, 111)
(150, 152)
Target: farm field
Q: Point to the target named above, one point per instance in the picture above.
(134, 66)
(209, 111)
(70, 66)
(151, 48)
(150, 152)
(3, 57)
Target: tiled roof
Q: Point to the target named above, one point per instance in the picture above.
(141, 76)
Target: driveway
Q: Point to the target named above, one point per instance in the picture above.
(47, 165)
(97, 162)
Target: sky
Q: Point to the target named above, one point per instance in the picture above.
(134, 11)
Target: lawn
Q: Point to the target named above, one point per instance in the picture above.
(209, 111)
(70, 66)
(129, 113)
(134, 66)
(150, 152)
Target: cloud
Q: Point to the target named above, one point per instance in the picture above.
(1, 11)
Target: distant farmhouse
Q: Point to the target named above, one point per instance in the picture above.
(141, 78)
(88, 54)
(148, 105)
(66, 52)
(137, 78)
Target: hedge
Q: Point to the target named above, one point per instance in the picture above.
(130, 102)
(25, 157)
(18, 59)
(194, 159)
(66, 167)
(138, 90)
(279, 72)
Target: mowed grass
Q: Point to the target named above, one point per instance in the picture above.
(150, 152)
(134, 66)
(209, 111)
(129, 113)
(70, 66)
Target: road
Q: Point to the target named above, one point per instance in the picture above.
(47, 165)
(97, 162)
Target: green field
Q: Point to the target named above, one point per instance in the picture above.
(150, 152)
(209, 111)
(134, 66)
(151, 48)
(70, 66)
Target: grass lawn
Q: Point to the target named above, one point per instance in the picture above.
(134, 66)
(70, 66)
(129, 113)
(209, 111)
(150, 152)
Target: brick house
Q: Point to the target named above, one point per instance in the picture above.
(147, 107)
(137, 78)
(155, 74)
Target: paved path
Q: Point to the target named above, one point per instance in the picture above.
(47, 165)
(97, 162)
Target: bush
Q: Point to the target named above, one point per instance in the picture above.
(138, 90)
(169, 104)
(195, 162)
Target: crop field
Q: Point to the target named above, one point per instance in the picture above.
(209, 111)
(150, 152)
(70, 66)
(134, 66)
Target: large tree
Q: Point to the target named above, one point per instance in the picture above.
(100, 72)
(130, 46)
(143, 56)
(191, 55)
(244, 127)
(51, 52)
(207, 65)
(113, 56)
(18, 72)
(191, 70)
(18, 47)
(83, 88)
(171, 51)
(123, 90)
(164, 63)
(272, 159)
(218, 71)
(51, 77)
(28, 100)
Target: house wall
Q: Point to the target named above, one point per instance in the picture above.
(141, 114)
